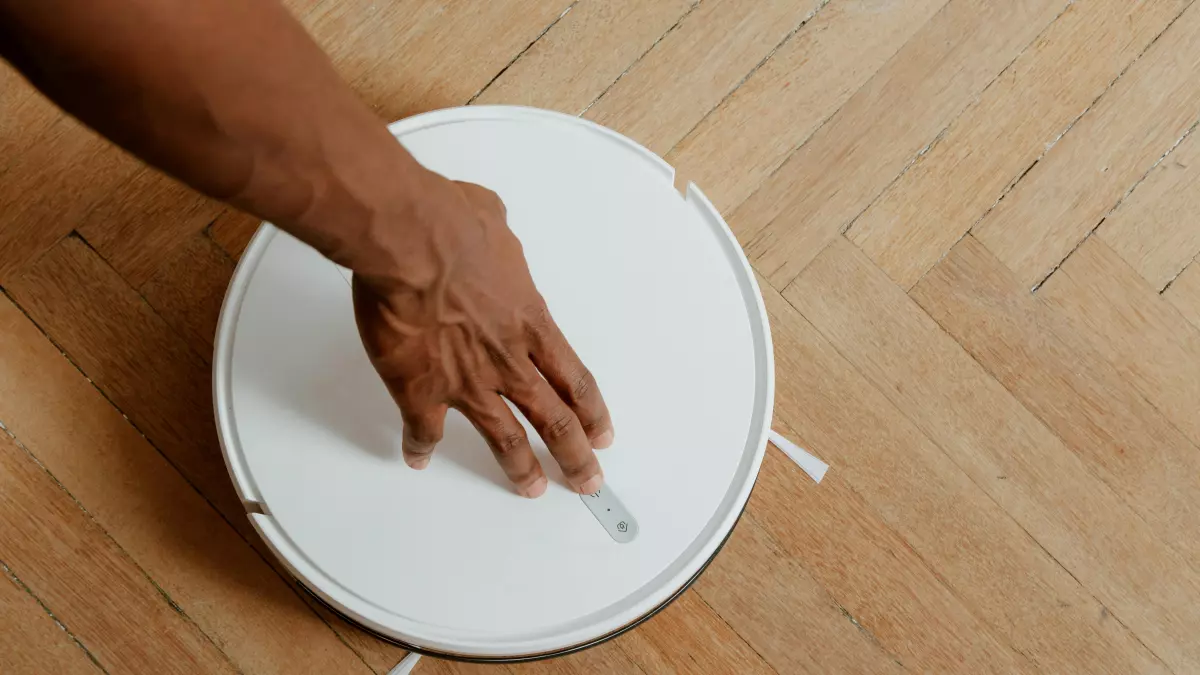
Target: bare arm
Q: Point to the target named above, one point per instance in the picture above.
(235, 99)
(230, 96)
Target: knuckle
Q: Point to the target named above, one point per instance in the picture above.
(575, 469)
(521, 388)
(557, 428)
(502, 356)
(582, 386)
(538, 319)
(509, 443)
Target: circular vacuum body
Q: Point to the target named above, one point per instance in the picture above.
(655, 295)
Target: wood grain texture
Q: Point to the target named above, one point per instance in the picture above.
(135, 358)
(50, 187)
(159, 520)
(1119, 436)
(689, 637)
(849, 161)
(1003, 578)
(803, 83)
(232, 231)
(188, 288)
(438, 72)
(583, 53)
(1112, 310)
(607, 657)
(948, 189)
(144, 220)
(695, 66)
(1005, 450)
(1112, 147)
(146, 370)
(32, 642)
(1013, 475)
(24, 116)
(431, 666)
(86, 581)
(880, 586)
(782, 612)
(1184, 294)
(1156, 229)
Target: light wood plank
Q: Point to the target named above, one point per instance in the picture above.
(233, 230)
(88, 582)
(1157, 228)
(148, 372)
(1119, 436)
(885, 590)
(987, 561)
(359, 35)
(695, 66)
(849, 161)
(688, 637)
(777, 607)
(25, 115)
(1111, 309)
(1005, 450)
(145, 220)
(50, 187)
(188, 288)
(805, 82)
(437, 71)
(131, 354)
(432, 666)
(1184, 293)
(158, 519)
(952, 186)
(32, 643)
(586, 51)
(1083, 177)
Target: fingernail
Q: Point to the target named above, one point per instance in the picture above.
(592, 484)
(603, 440)
(535, 489)
(417, 462)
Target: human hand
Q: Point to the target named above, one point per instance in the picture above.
(459, 324)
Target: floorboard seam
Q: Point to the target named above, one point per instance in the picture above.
(288, 581)
(1007, 70)
(521, 53)
(842, 229)
(1116, 206)
(745, 78)
(78, 643)
(1180, 273)
(967, 474)
(735, 632)
(995, 633)
(105, 533)
(675, 26)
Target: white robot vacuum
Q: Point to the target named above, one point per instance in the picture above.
(654, 293)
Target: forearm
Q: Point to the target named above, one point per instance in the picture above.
(231, 97)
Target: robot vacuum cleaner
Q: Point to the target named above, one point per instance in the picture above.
(654, 293)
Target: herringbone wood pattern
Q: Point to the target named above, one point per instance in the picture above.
(976, 226)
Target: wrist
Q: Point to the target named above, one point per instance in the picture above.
(365, 211)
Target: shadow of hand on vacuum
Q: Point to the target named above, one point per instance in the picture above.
(342, 395)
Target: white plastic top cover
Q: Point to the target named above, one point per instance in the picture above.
(653, 292)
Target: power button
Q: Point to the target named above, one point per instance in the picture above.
(612, 515)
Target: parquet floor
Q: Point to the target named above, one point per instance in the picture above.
(976, 225)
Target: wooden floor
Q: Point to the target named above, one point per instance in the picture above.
(976, 225)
